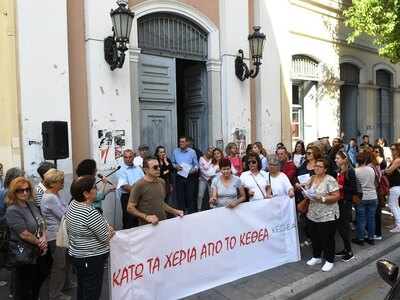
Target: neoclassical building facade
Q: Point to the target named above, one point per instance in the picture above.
(179, 78)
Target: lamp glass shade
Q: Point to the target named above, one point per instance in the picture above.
(256, 43)
(122, 19)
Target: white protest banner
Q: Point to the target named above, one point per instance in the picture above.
(183, 256)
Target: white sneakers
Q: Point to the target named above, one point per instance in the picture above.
(315, 261)
(327, 267)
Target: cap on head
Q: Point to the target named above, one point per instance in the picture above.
(143, 147)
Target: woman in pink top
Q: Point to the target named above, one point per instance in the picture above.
(232, 153)
(207, 172)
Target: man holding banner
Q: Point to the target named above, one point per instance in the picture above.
(146, 200)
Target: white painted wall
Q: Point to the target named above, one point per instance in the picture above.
(43, 76)
(235, 94)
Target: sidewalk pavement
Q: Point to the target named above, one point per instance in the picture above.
(289, 281)
(297, 280)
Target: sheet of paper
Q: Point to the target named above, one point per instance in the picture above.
(303, 178)
(185, 171)
(310, 194)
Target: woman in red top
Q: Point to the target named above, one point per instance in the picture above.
(346, 179)
(232, 154)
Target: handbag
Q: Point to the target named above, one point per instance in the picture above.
(62, 240)
(355, 199)
(22, 253)
(302, 206)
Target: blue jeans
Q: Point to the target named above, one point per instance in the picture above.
(366, 214)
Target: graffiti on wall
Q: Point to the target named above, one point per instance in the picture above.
(111, 143)
(239, 138)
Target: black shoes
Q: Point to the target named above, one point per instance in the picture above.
(347, 257)
(341, 253)
(358, 242)
(371, 242)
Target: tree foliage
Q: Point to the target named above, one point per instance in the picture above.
(379, 19)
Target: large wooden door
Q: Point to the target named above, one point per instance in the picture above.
(157, 96)
(195, 104)
(348, 111)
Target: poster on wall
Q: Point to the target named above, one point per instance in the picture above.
(239, 138)
(111, 144)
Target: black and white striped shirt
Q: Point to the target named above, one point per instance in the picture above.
(87, 230)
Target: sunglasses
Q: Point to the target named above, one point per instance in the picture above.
(21, 191)
(155, 167)
(309, 153)
(252, 162)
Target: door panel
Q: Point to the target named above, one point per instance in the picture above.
(348, 111)
(157, 96)
(195, 104)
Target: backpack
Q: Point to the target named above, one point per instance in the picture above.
(381, 182)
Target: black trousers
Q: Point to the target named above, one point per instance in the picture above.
(30, 278)
(345, 208)
(128, 221)
(89, 271)
(322, 236)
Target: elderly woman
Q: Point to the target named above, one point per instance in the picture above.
(89, 236)
(323, 212)
(27, 229)
(89, 167)
(206, 173)
(280, 184)
(232, 154)
(53, 208)
(226, 188)
(255, 181)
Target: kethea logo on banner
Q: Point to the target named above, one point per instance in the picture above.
(183, 256)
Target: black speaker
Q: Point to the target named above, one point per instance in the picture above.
(55, 140)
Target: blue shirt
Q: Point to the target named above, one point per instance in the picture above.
(128, 175)
(187, 156)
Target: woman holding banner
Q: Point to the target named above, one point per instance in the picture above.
(89, 236)
(323, 212)
(255, 181)
(227, 187)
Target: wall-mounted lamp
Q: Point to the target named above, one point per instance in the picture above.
(122, 18)
(256, 43)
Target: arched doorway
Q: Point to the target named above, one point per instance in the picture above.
(384, 100)
(172, 80)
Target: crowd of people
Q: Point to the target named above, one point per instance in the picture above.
(327, 176)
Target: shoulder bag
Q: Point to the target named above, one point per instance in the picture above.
(302, 206)
(62, 240)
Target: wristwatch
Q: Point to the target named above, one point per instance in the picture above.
(323, 199)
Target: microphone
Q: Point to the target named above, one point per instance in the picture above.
(101, 176)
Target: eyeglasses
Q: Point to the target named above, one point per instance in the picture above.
(252, 162)
(318, 166)
(155, 167)
(309, 153)
(21, 191)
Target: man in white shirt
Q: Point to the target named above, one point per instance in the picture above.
(143, 152)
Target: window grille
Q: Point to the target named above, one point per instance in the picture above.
(304, 67)
(172, 35)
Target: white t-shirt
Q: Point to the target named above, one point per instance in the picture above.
(280, 185)
(138, 161)
(249, 182)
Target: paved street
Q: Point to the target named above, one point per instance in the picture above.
(294, 280)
